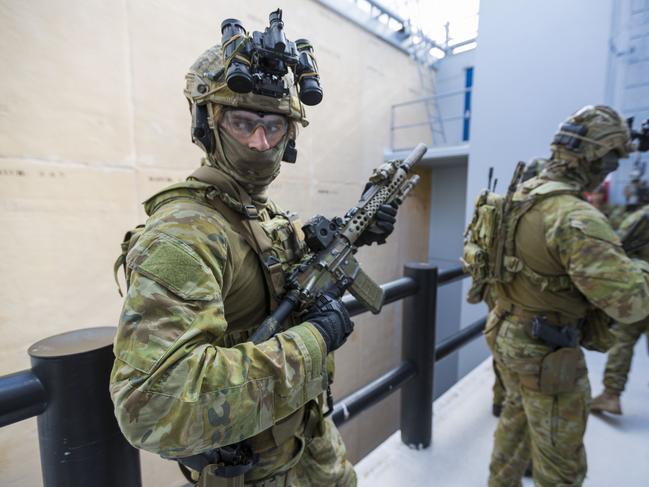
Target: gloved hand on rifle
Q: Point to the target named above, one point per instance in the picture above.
(331, 319)
(383, 226)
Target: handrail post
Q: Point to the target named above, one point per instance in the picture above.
(79, 439)
(418, 342)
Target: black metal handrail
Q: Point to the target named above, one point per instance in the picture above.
(43, 391)
(368, 395)
(22, 396)
(372, 393)
(461, 338)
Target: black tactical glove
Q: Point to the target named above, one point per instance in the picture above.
(386, 216)
(331, 318)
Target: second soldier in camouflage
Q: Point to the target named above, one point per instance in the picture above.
(555, 266)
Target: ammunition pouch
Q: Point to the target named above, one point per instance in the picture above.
(490, 239)
(475, 262)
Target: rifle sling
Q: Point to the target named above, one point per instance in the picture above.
(245, 219)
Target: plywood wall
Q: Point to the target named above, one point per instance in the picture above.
(92, 120)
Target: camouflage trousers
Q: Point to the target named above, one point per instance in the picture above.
(619, 358)
(546, 428)
(498, 388)
(324, 461)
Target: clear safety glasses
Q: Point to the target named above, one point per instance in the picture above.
(242, 123)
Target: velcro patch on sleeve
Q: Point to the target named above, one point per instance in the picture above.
(175, 265)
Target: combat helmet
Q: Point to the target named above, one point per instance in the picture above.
(592, 132)
(205, 84)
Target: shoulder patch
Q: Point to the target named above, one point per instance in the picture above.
(597, 228)
(174, 265)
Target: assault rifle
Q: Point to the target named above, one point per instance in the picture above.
(331, 265)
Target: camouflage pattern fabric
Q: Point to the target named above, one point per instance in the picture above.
(615, 215)
(564, 235)
(185, 378)
(637, 232)
(546, 428)
(498, 388)
(561, 235)
(323, 462)
(618, 362)
(620, 355)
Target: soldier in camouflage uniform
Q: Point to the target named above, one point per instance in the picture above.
(619, 358)
(566, 263)
(206, 270)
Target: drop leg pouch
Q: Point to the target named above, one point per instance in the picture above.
(559, 371)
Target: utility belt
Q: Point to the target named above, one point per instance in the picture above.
(214, 475)
(227, 466)
(558, 370)
(550, 327)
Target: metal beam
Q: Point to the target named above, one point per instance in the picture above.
(402, 39)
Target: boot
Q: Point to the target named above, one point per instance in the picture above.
(608, 401)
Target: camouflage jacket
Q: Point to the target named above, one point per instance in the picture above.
(185, 379)
(640, 238)
(563, 236)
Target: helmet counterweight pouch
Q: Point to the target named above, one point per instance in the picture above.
(201, 132)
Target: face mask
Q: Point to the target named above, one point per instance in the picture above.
(610, 162)
(253, 169)
(601, 168)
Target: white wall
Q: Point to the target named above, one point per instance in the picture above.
(445, 247)
(536, 63)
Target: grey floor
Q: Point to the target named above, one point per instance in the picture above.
(617, 446)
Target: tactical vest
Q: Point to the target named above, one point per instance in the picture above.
(490, 254)
(276, 238)
(490, 239)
